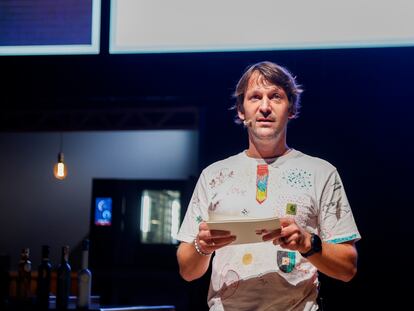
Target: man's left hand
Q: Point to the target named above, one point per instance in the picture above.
(291, 236)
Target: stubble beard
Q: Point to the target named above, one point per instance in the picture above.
(274, 133)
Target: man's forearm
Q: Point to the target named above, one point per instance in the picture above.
(192, 264)
(338, 261)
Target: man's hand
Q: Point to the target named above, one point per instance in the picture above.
(336, 260)
(191, 262)
(211, 240)
(290, 236)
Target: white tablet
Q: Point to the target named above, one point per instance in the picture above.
(246, 230)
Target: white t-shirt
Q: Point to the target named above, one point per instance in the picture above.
(262, 276)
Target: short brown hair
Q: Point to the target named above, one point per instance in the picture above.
(275, 74)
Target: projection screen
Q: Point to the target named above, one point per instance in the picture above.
(49, 27)
(157, 26)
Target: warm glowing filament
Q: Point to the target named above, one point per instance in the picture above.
(61, 169)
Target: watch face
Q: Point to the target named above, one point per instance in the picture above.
(316, 243)
(316, 246)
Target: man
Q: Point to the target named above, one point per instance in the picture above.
(317, 232)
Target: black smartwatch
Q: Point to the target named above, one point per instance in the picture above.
(316, 246)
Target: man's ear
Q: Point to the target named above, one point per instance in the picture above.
(292, 114)
(241, 115)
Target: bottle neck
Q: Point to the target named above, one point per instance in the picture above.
(85, 255)
(45, 257)
(24, 256)
(45, 253)
(65, 254)
(65, 258)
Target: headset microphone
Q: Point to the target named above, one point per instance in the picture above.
(247, 123)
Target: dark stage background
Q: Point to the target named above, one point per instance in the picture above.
(357, 113)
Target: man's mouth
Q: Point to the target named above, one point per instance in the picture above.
(264, 120)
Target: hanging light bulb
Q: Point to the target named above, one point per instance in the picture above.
(60, 169)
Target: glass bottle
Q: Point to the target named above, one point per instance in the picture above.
(24, 276)
(84, 279)
(43, 279)
(63, 280)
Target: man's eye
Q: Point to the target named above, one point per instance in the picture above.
(276, 96)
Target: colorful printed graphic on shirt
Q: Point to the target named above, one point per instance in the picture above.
(291, 209)
(298, 178)
(261, 182)
(247, 259)
(286, 260)
(344, 239)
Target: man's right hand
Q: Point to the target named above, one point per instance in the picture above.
(211, 240)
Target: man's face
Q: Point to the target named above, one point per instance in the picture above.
(266, 108)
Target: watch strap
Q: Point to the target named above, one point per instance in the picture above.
(316, 246)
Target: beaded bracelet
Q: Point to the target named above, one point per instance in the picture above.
(198, 249)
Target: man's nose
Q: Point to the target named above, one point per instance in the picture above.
(265, 105)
